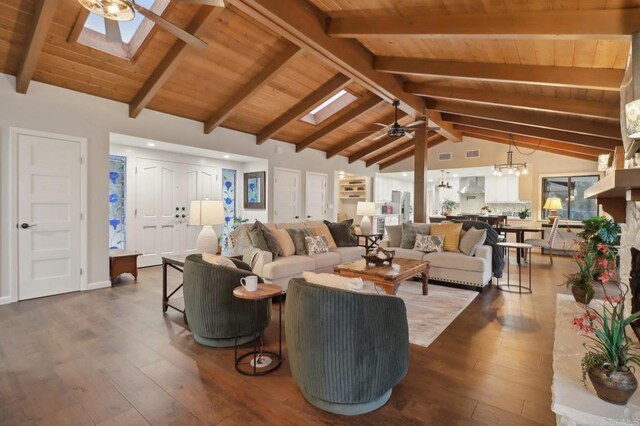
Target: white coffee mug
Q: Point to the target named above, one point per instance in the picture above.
(249, 283)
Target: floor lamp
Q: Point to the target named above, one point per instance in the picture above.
(206, 213)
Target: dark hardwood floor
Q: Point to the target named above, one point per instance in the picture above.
(110, 357)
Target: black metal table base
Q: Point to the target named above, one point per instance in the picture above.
(517, 288)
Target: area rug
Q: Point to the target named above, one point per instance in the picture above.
(430, 315)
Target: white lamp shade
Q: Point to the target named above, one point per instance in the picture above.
(632, 112)
(366, 208)
(553, 203)
(206, 212)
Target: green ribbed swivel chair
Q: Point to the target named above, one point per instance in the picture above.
(215, 316)
(347, 350)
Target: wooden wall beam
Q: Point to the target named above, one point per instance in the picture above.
(300, 109)
(519, 129)
(42, 19)
(252, 87)
(605, 129)
(586, 78)
(579, 107)
(170, 62)
(347, 117)
(554, 24)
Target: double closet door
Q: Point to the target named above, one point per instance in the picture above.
(164, 191)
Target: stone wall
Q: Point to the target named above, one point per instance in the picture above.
(630, 238)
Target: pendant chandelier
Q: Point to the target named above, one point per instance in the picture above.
(442, 183)
(510, 167)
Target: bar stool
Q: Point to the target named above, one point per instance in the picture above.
(517, 246)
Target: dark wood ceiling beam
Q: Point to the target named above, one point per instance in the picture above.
(532, 142)
(302, 24)
(390, 162)
(594, 109)
(347, 117)
(296, 112)
(42, 19)
(605, 129)
(446, 129)
(519, 129)
(252, 87)
(171, 61)
(553, 24)
(586, 78)
(361, 136)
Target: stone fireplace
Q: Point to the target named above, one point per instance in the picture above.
(630, 258)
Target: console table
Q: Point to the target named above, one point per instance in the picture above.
(572, 403)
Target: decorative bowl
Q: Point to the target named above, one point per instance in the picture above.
(379, 257)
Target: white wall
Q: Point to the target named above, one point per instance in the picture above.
(58, 110)
(539, 163)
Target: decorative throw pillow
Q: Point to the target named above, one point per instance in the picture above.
(297, 236)
(450, 232)
(394, 234)
(240, 238)
(341, 233)
(269, 240)
(287, 248)
(471, 240)
(316, 245)
(409, 232)
(335, 281)
(324, 231)
(429, 243)
(218, 260)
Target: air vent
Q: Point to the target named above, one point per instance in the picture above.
(444, 156)
(473, 154)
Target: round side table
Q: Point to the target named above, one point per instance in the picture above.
(263, 362)
(518, 288)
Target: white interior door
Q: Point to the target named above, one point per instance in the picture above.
(201, 183)
(286, 191)
(159, 204)
(316, 196)
(49, 208)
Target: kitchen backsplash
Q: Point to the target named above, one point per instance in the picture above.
(509, 209)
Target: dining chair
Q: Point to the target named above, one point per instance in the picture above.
(548, 243)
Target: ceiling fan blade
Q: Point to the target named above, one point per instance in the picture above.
(173, 29)
(381, 125)
(112, 31)
(215, 3)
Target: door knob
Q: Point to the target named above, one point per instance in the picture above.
(308, 217)
(297, 217)
(26, 226)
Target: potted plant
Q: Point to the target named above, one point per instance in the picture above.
(448, 206)
(611, 355)
(581, 283)
(599, 231)
(523, 214)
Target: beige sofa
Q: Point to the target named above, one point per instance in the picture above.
(282, 269)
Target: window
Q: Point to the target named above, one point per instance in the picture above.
(570, 190)
(329, 107)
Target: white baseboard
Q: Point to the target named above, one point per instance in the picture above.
(98, 284)
(6, 300)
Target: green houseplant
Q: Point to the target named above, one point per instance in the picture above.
(448, 206)
(522, 214)
(611, 355)
(601, 235)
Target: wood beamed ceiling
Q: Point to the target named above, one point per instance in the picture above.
(542, 74)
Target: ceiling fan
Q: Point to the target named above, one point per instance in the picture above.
(114, 11)
(395, 130)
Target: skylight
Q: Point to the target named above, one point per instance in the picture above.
(329, 107)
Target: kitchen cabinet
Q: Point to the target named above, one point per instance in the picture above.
(502, 189)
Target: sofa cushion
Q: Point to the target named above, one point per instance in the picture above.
(218, 260)
(408, 253)
(409, 232)
(394, 234)
(325, 260)
(287, 248)
(323, 230)
(292, 225)
(348, 254)
(313, 223)
(471, 240)
(459, 261)
(297, 236)
(284, 267)
(334, 281)
(429, 243)
(316, 245)
(341, 233)
(451, 234)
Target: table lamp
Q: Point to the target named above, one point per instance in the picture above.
(206, 213)
(553, 204)
(365, 209)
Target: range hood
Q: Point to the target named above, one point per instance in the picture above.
(472, 187)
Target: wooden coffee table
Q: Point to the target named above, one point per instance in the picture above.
(385, 276)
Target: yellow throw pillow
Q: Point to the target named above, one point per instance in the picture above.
(450, 232)
(287, 248)
(323, 231)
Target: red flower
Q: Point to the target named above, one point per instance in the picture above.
(581, 324)
(605, 277)
(603, 263)
(603, 247)
(613, 300)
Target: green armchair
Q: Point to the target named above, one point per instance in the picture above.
(215, 316)
(346, 350)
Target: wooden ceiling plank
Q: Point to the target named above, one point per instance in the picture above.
(605, 129)
(446, 129)
(252, 87)
(78, 26)
(574, 24)
(347, 117)
(585, 108)
(302, 24)
(170, 62)
(398, 159)
(519, 129)
(587, 78)
(296, 112)
(42, 19)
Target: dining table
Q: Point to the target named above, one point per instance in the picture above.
(519, 232)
